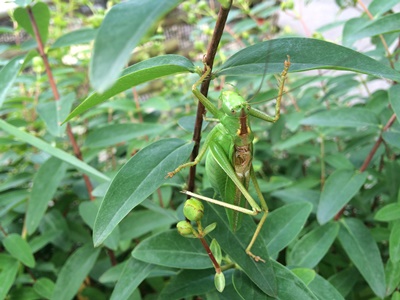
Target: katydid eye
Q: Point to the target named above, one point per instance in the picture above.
(233, 111)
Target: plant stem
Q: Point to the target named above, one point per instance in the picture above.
(209, 60)
(210, 254)
(56, 94)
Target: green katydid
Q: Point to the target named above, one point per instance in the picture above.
(229, 161)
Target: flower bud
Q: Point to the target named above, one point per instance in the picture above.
(193, 209)
(219, 281)
(184, 228)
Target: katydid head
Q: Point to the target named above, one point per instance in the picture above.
(233, 104)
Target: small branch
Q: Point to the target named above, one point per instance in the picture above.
(211, 255)
(371, 155)
(377, 144)
(209, 60)
(56, 94)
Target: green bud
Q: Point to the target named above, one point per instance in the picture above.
(193, 209)
(209, 228)
(184, 228)
(216, 250)
(37, 64)
(219, 282)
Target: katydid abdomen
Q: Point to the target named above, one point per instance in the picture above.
(240, 158)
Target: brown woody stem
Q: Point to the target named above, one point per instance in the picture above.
(56, 94)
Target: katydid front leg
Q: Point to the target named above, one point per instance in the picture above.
(210, 107)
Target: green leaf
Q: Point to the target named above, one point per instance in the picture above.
(234, 244)
(339, 161)
(363, 251)
(44, 287)
(296, 139)
(343, 117)
(80, 36)
(125, 24)
(323, 289)
(385, 24)
(113, 134)
(306, 275)
(392, 138)
(379, 7)
(345, 280)
(394, 98)
(64, 156)
(305, 54)
(312, 247)
(394, 242)
(189, 283)
(45, 184)
(8, 271)
(133, 274)
(392, 273)
(389, 212)
(38, 242)
(74, 271)
(137, 223)
(20, 249)
(289, 286)
(41, 13)
(8, 74)
(54, 112)
(138, 179)
(141, 72)
(340, 187)
(284, 224)
(170, 249)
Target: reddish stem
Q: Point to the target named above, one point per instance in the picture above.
(56, 94)
(211, 255)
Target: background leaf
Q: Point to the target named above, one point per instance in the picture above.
(20, 249)
(193, 282)
(312, 247)
(139, 178)
(323, 289)
(80, 36)
(394, 98)
(360, 246)
(339, 188)
(394, 242)
(53, 113)
(41, 14)
(290, 286)
(284, 224)
(389, 212)
(38, 143)
(385, 24)
(8, 74)
(8, 271)
(134, 269)
(44, 187)
(342, 117)
(171, 249)
(138, 73)
(113, 134)
(109, 58)
(79, 264)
